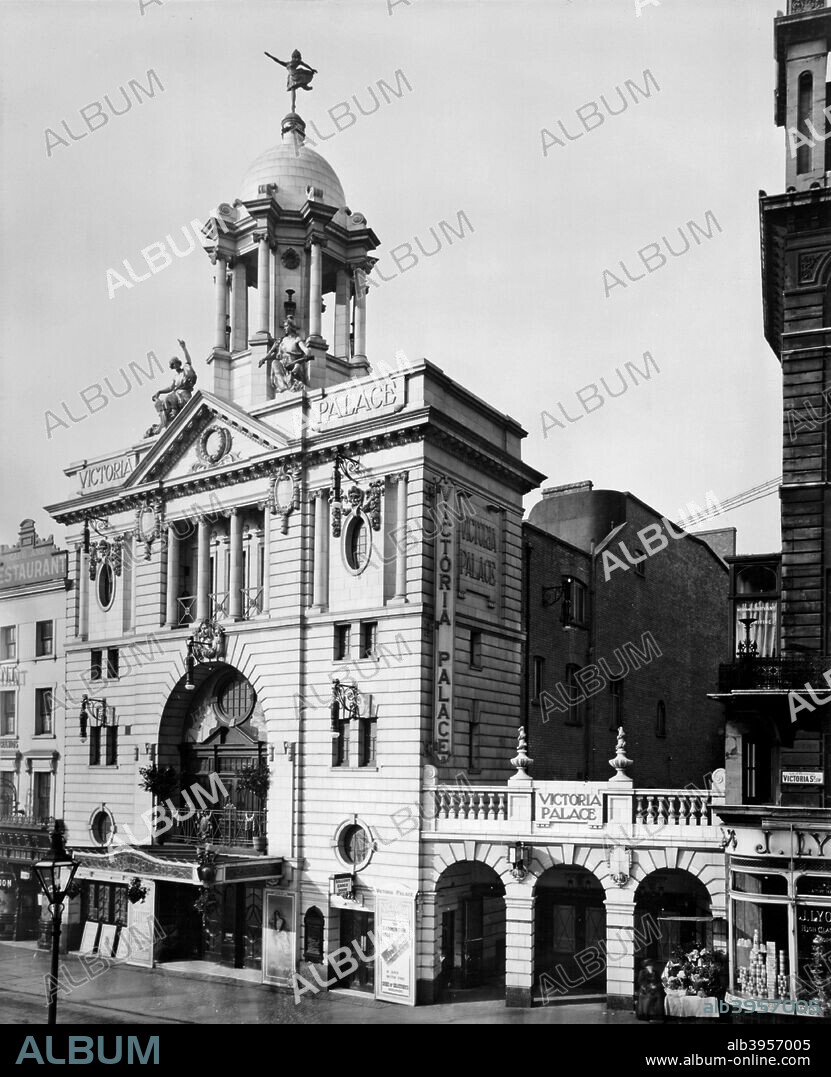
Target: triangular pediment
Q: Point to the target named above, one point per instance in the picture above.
(207, 434)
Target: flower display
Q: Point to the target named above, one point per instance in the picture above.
(696, 972)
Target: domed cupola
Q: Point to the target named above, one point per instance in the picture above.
(289, 240)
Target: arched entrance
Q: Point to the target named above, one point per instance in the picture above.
(214, 737)
(570, 932)
(672, 910)
(470, 919)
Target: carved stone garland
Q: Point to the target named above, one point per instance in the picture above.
(149, 522)
(358, 501)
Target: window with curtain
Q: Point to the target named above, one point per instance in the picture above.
(764, 632)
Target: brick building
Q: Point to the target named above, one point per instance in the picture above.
(774, 684)
(614, 643)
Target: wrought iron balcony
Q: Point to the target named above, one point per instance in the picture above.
(226, 826)
(765, 674)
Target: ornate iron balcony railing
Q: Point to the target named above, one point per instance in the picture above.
(747, 674)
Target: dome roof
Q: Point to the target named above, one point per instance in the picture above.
(293, 167)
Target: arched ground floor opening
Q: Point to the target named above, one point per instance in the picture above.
(570, 933)
(673, 912)
(470, 931)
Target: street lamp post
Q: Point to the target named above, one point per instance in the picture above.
(55, 875)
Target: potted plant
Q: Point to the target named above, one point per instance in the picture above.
(160, 781)
(136, 892)
(256, 780)
(206, 858)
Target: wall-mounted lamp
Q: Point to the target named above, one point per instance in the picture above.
(552, 595)
(519, 854)
(96, 709)
(189, 664)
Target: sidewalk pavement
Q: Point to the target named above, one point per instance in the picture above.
(124, 993)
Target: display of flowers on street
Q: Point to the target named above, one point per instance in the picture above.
(697, 972)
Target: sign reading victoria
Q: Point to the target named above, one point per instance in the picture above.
(445, 619)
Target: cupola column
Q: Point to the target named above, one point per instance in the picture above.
(359, 346)
(263, 283)
(221, 303)
(341, 342)
(315, 288)
(239, 307)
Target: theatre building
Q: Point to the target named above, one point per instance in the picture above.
(776, 684)
(33, 596)
(293, 602)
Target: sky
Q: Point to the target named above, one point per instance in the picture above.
(519, 309)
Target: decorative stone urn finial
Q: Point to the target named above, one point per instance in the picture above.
(521, 760)
(620, 761)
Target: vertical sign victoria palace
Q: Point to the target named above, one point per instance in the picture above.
(295, 605)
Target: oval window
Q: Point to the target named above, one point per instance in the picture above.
(106, 586)
(356, 544)
(354, 845)
(101, 827)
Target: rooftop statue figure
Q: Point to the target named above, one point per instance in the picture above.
(288, 357)
(170, 401)
(299, 73)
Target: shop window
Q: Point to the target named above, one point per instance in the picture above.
(42, 797)
(615, 704)
(44, 638)
(369, 639)
(751, 883)
(313, 923)
(8, 709)
(95, 665)
(112, 662)
(8, 643)
(814, 885)
(43, 710)
(475, 649)
(105, 903)
(343, 636)
(761, 947)
(661, 719)
(538, 683)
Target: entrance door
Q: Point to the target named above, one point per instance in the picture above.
(472, 942)
(357, 934)
(448, 946)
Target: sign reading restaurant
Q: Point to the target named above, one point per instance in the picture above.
(33, 566)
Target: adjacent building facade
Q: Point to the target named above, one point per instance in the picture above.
(33, 589)
(775, 688)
